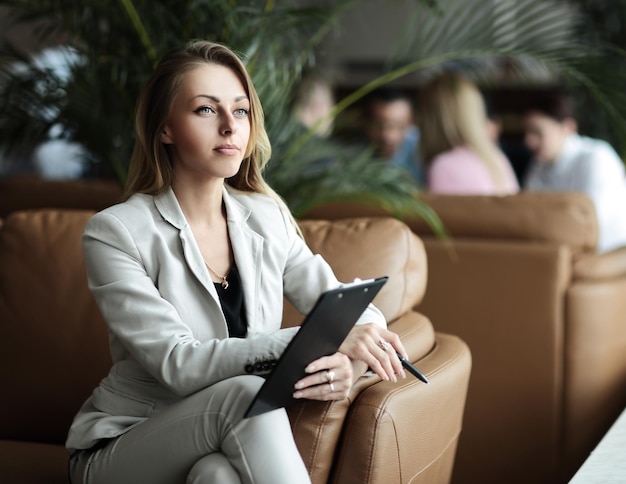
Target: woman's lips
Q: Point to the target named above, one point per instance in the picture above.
(228, 150)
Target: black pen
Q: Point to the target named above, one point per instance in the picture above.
(408, 366)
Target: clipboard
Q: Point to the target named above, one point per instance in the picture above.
(321, 333)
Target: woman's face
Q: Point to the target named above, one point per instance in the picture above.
(208, 128)
(544, 136)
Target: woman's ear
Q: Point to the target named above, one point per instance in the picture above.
(166, 137)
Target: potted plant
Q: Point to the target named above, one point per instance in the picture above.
(111, 47)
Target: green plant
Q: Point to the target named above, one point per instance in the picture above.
(119, 42)
(604, 26)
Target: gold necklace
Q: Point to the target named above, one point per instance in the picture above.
(224, 282)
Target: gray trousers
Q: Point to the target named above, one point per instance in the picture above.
(201, 439)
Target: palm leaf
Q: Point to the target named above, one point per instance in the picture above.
(119, 42)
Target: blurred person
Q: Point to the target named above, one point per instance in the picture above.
(565, 161)
(494, 123)
(391, 129)
(460, 156)
(313, 101)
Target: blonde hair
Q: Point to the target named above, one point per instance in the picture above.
(151, 168)
(451, 114)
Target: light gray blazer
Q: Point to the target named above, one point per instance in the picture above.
(168, 335)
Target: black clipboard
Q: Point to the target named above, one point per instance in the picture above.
(321, 333)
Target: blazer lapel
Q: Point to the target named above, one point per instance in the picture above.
(248, 251)
(170, 210)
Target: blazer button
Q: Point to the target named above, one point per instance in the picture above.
(249, 368)
(258, 366)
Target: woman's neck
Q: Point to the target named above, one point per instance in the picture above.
(201, 202)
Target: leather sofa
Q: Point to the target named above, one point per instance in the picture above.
(545, 319)
(53, 352)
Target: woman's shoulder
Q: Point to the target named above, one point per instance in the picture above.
(135, 204)
(597, 148)
(133, 213)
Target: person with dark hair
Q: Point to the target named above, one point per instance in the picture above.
(189, 274)
(565, 161)
(391, 130)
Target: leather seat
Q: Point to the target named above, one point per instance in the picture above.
(54, 351)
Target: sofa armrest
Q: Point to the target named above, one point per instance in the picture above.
(318, 426)
(416, 332)
(407, 431)
(595, 267)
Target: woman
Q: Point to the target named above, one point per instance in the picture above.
(565, 161)
(189, 275)
(460, 157)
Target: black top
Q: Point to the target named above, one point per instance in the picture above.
(233, 304)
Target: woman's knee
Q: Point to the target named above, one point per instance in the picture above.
(213, 469)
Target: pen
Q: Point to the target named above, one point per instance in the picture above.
(411, 369)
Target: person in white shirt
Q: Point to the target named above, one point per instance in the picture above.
(565, 161)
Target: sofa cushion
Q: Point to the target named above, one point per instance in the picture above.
(31, 463)
(46, 371)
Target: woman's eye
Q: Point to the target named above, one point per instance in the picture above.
(205, 110)
(241, 112)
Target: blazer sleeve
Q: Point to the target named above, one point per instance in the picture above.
(147, 327)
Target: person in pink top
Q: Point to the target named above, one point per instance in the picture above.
(461, 158)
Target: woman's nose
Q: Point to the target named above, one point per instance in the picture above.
(228, 126)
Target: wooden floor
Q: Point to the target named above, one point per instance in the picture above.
(607, 463)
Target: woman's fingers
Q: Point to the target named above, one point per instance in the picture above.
(392, 352)
(364, 343)
(330, 378)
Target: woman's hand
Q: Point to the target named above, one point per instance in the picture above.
(376, 347)
(367, 345)
(329, 378)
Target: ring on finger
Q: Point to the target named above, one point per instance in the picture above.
(331, 387)
(330, 376)
(383, 344)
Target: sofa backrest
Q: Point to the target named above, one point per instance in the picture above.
(369, 248)
(564, 218)
(53, 341)
(28, 192)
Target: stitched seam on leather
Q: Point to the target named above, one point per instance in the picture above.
(409, 256)
(454, 439)
(370, 459)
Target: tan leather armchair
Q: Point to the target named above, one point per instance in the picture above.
(53, 352)
(545, 319)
